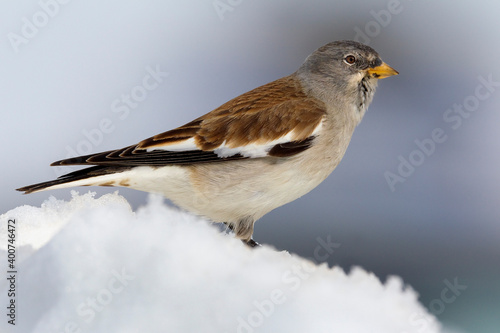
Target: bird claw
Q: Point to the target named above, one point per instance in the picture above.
(251, 243)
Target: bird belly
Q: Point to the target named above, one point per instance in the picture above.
(251, 188)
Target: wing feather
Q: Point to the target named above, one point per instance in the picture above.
(277, 119)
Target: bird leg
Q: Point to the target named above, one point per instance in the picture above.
(249, 242)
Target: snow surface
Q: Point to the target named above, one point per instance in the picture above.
(94, 265)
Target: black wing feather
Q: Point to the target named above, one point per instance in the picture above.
(126, 158)
(130, 157)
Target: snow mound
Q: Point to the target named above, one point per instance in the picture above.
(93, 265)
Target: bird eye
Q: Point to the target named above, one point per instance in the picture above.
(350, 59)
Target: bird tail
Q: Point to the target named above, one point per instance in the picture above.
(97, 175)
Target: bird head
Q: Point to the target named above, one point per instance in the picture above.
(344, 72)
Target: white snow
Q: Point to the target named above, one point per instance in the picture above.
(94, 265)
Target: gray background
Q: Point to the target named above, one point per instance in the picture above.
(441, 224)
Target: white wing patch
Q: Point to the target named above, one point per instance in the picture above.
(252, 150)
(186, 145)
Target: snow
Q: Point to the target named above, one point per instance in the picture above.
(94, 265)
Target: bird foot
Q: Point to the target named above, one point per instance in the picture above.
(251, 243)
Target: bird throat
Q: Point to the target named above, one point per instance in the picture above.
(366, 89)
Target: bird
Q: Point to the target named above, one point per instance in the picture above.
(254, 153)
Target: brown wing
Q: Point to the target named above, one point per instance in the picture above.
(259, 117)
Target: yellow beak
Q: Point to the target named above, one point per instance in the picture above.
(382, 71)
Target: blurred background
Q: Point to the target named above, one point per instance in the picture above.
(82, 77)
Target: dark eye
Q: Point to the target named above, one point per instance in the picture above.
(350, 59)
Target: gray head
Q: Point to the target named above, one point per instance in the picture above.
(344, 72)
